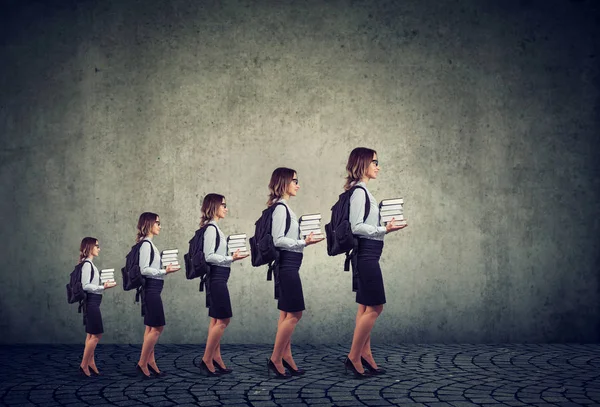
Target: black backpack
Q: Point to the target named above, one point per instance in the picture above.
(339, 232)
(262, 248)
(132, 275)
(75, 292)
(194, 260)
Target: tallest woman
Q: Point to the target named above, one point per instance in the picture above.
(363, 166)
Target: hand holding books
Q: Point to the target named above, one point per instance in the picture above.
(169, 259)
(391, 212)
(310, 228)
(109, 284)
(237, 246)
(107, 278)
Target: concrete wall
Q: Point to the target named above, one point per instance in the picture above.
(484, 115)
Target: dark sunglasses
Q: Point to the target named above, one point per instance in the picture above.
(295, 181)
(376, 163)
(224, 205)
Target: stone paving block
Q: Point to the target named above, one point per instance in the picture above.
(432, 375)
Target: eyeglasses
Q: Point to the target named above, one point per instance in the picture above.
(97, 245)
(158, 223)
(295, 181)
(224, 205)
(376, 163)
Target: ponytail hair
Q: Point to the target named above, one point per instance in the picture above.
(210, 206)
(86, 247)
(358, 163)
(280, 179)
(145, 223)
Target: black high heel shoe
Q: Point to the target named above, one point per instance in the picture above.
(82, 372)
(95, 373)
(372, 370)
(206, 370)
(155, 373)
(272, 368)
(348, 365)
(297, 372)
(139, 370)
(221, 369)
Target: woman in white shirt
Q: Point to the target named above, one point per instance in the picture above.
(288, 286)
(214, 208)
(363, 166)
(92, 318)
(152, 308)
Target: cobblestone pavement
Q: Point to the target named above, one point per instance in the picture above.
(418, 375)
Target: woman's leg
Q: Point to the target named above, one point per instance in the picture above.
(285, 329)
(212, 342)
(151, 360)
(365, 320)
(88, 352)
(84, 364)
(150, 338)
(217, 352)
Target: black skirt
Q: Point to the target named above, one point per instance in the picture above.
(92, 316)
(154, 314)
(217, 293)
(291, 297)
(370, 289)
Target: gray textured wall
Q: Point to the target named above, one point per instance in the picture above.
(485, 117)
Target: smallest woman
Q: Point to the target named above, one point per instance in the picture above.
(90, 280)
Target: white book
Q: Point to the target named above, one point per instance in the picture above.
(307, 231)
(391, 207)
(237, 241)
(242, 251)
(310, 226)
(236, 245)
(390, 213)
(168, 256)
(238, 236)
(310, 222)
(170, 251)
(107, 270)
(310, 216)
(393, 201)
(389, 218)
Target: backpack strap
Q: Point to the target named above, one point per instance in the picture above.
(92, 267)
(288, 218)
(218, 238)
(151, 251)
(367, 203)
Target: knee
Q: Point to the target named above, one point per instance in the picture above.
(222, 323)
(94, 339)
(378, 309)
(294, 317)
(155, 332)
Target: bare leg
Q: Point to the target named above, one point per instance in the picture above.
(84, 364)
(365, 320)
(150, 340)
(215, 333)
(88, 352)
(285, 329)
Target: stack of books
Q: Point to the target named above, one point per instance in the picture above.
(107, 275)
(392, 208)
(311, 223)
(169, 257)
(235, 242)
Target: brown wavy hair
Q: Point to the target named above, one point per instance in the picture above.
(358, 163)
(86, 247)
(145, 223)
(210, 206)
(280, 179)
